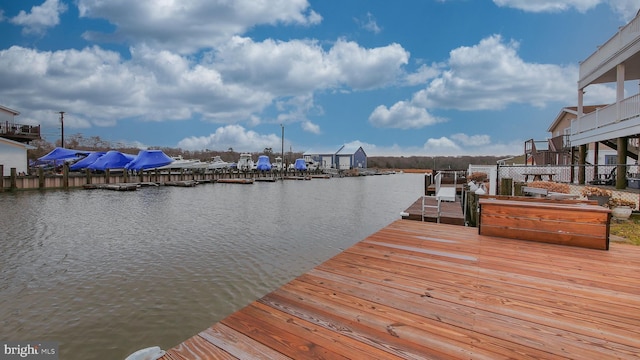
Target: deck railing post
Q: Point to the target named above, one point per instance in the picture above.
(1, 178)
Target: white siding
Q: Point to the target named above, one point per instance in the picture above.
(13, 156)
(326, 161)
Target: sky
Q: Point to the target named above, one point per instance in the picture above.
(399, 78)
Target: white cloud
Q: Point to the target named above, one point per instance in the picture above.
(473, 140)
(491, 75)
(627, 9)
(232, 136)
(187, 26)
(487, 76)
(369, 23)
(308, 126)
(473, 145)
(423, 75)
(40, 18)
(549, 5)
(402, 115)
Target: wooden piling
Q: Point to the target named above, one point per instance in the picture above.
(13, 181)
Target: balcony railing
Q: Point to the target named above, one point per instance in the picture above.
(629, 108)
(19, 132)
(625, 36)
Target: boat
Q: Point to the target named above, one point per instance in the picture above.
(263, 163)
(300, 165)
(217, 163)
(245, 163)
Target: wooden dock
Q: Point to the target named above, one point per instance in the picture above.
(450, 212)
(420, 290)
(236, 181)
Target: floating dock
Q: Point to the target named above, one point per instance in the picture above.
(450, 211)
(421, 290)
(236, 181)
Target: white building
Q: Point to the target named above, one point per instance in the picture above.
(13, 154)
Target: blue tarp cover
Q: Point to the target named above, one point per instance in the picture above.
(149, 159)
(62, 154)
(112, 160)
(84, 163)
(263, 163)
(300, 164)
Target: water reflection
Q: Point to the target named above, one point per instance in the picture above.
(106, 273)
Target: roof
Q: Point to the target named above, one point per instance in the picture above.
(574, 111)
(14, 112)
(324, 151)
(350, 150)
(16, 143)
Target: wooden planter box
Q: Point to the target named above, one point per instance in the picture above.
(566, 222)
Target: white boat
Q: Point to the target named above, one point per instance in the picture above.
(180, 163)
(246, 162)
(217, 163)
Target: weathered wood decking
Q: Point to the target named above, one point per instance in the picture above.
(419, 290)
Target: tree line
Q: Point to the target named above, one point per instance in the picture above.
(95, 143)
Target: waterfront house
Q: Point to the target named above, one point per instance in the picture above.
(14, 140)
(616, 125)
(16, 132)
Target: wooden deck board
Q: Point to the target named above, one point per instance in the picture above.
(416, 290)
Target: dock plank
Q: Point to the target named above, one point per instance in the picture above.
(416, 290)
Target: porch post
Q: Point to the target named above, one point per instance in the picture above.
(619, 90)
(621, 169)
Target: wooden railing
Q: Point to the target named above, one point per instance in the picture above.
(19, 131)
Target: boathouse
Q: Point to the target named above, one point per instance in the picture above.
(346, 157)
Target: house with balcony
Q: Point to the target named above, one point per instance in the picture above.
(16, 132)
(14, 142)
(616, 125)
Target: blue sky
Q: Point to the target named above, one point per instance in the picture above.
(411, 77)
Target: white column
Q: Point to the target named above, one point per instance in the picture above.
(619, 89)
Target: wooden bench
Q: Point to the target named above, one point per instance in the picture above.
(566, 222)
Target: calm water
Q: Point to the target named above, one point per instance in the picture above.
(105, 273)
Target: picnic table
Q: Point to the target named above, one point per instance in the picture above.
(538, 176)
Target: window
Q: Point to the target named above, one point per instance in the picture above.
(610, 159)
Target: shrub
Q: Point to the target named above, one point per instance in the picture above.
(478, 177)
(551, 186)
(595, 191)
(613, 202)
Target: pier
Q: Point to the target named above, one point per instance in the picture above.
(417, 290)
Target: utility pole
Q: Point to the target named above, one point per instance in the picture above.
(61, 129)
(282, 152)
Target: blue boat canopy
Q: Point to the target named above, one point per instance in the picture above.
(62, 154)
(149, 159)
(112, 160)
(85, 162)
(300, 164)
(263, 163)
